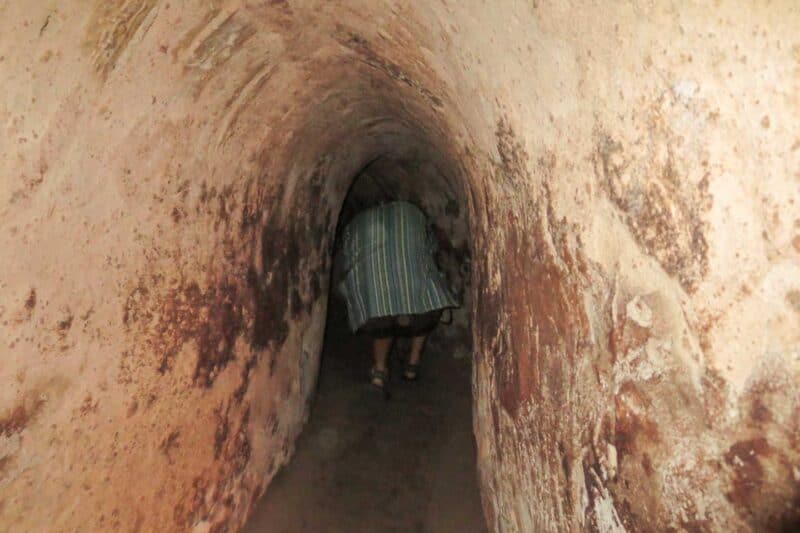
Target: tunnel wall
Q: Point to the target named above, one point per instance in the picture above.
(171, 174)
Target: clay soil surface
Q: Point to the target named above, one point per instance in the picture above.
(365, 464)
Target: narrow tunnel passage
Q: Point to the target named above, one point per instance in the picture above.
(404, 461)
(363, 464)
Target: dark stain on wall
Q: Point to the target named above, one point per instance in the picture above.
(661, 209)
(65, 324)
(222, 430)
(547, 323)
(246, 375)
(170, 442)
(567, 460)
(212, 318)
(271, 289)
(20, 416)
(15, 421)
(278, 290)
(744, 458)
(216, 336)
(30, 302)
(633, 428)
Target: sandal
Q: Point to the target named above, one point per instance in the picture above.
(411, 372)
(377, 378)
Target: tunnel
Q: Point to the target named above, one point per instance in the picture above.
(400, 458)
(620, 178)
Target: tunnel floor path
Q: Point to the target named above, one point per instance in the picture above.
(364, 464)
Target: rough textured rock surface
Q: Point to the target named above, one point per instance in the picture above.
(171, 175)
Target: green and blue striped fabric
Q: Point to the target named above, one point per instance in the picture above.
(388, 265)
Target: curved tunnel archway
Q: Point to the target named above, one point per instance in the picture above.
(364, 113)
(367, 462)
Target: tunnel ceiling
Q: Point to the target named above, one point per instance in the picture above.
(626, 176)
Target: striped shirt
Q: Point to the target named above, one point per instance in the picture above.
(388, 265)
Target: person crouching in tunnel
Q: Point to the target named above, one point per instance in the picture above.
(386, 272)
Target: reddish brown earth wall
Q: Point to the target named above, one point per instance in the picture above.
(171, 179)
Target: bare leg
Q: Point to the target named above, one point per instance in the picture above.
(417, 343)
(380, 349)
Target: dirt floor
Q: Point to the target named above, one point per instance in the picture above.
(367, 464)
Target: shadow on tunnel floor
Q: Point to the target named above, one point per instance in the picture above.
(363, 464)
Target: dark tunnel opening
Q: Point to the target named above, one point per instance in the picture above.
(365, 462)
